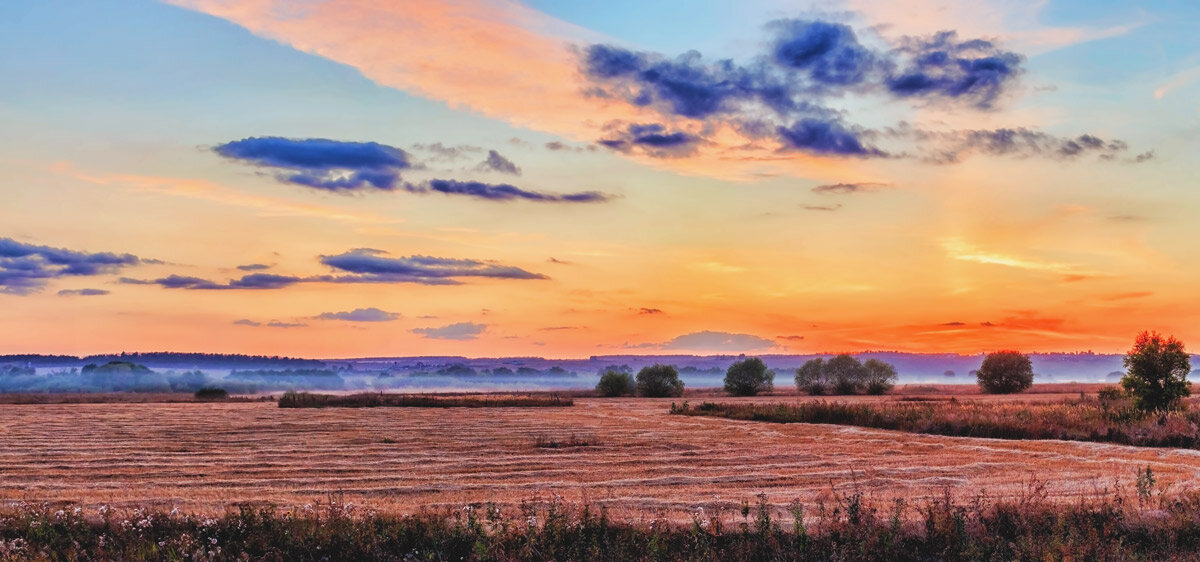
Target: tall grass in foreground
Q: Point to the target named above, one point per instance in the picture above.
(379, 400)
(848, 528)
(1075, 420)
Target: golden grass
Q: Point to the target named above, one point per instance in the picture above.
(204, 457)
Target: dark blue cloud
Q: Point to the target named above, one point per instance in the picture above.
(373, 266)
(653, 139)
(829, 53)
(361, 315)
(505, 192)
(252, 281)
(827, 138)
(782, 95)
(26, 268)
(461, 331)
(945, 67)
(495, 162)
(253, 267)
(323, 163)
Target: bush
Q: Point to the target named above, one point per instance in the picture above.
(749, 377)
(659, 381)
(881, 377)
(810, 377)
(211, 393)
(614, 383)
(1005, 372)
(1157, 372)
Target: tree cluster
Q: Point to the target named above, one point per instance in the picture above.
(845, 374)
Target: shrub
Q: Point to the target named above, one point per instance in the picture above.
(658, 381)
(211, 393)
(1157, 372)
(810, 377)
(1005, 372)
(881, 377)
(846, 374)
(749, 377)
(614, 383)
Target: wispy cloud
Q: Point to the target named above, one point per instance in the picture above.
(371, 314)
(461, 331)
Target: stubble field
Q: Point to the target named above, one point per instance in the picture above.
(637, 460)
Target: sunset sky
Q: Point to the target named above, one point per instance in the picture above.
(345, 178)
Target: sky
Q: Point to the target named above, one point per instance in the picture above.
(565, 179)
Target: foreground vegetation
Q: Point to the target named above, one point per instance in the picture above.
(380, 400)
(1109, 420)
(847, 528)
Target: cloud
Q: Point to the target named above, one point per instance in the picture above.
(253, 267)
(558, 261)
(825, 137)
(27, 268)
(279, 324)
(649, 311)
(374, 266)
(440, 151)
(247, 322)
(719, 341)
(82, 292)
(362, 265)
(497, 163)
(323, 163)
(653, 139)
(960, 249)
(361, 315)
(951, 146)
(848, 188)
(824, 208)
(556, 146)
(461, 331)
(252, 281)
(943, 66)
(789, 338)
(828, 53)
(505, 192)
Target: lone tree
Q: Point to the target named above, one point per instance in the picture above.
(846, 374)
(810, 377)
(1157, 370)
(1005, 372)
(881, 376)
(749, 377)
(614, 383)
(658, 381)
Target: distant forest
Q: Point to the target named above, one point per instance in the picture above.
(165, 359)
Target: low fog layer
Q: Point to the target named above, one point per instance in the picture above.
(174, 372)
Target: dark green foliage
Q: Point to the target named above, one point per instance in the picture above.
(211, 393)
(880, 376)
(810, 377)
(659, 381)
(1082, 420)
(1005, 372)
(1157, 370)
(615, 383)
(850, 527)
(749, 377)
(293, 399)
(845, 374)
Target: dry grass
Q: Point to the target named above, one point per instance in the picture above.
(1086, 419)
(203, 457)
(381, 400)
(118, 398)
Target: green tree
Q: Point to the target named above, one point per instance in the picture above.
(749, 377)
(846, 374)
(810, 377)
(658, 381)
(614, 383)
(1005, 372)
(881, 376)
(1156, 372)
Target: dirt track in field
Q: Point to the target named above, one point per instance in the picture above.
(204, 457)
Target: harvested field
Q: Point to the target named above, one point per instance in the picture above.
(382, 400)
(204, 457)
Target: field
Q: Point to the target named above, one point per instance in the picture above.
(628, 455)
